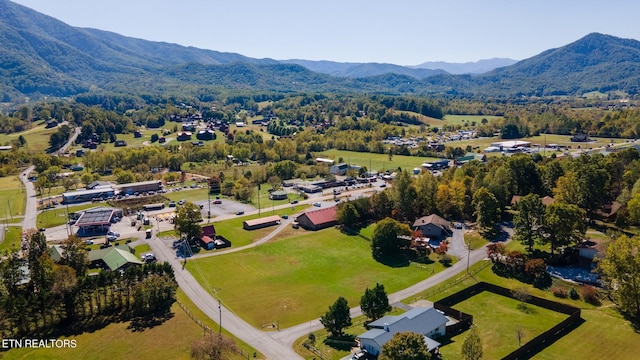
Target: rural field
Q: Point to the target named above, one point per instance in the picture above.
(375, 161)
(297, 278)
(12, 197)
(171, 339)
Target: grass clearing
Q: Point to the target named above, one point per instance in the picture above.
(11, 241)
(170, 340)
(297, 278)
(13, 201)
(498, 318)
(375, 161)
(37, 137)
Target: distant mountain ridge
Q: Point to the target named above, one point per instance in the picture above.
(42, 56)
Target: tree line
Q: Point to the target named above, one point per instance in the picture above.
(37, 294)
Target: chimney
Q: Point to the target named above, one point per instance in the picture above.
(386, 327)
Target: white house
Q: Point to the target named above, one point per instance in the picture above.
(426, 321)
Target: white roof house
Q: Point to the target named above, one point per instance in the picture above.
(421, 320)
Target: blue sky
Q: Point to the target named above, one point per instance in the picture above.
(403, 32)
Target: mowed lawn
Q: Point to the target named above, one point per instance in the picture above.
(498, 318)
(375, 161)
(296, 279)
(12, 197)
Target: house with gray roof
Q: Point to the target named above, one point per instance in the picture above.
(426, 321)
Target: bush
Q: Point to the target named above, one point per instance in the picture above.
(589, 294)
(446, 260)
(559, 292)
(573, 294)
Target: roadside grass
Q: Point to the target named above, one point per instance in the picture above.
(297, 278)
(170, 340)
(190, 195)
(498, 319)
(141, 249)
(13, 201)
(58, 216)
(10, 183)
(198, 314)
(11, 240)
(375, 161)
(475, 239)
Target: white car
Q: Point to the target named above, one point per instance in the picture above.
(113, 233)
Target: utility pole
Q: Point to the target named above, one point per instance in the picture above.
(468, 254)
(215, 291)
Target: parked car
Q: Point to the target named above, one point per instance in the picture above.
(217, 201)
(383, 185)
(240, 213)
(317, 204)
(294, 202)
(112, 238)
(88, 242)
(113, 233)
(172, 204)
(181, 202)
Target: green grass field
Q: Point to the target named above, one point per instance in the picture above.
(297, 278)
(375, 161)
(498, 319)
(37, 137)
(11, 239)
(169, 340)
(58, 216)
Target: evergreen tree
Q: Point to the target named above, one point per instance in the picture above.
(337, 318)
(375, 303)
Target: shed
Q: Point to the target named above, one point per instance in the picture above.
(261, 223)
(278, 195)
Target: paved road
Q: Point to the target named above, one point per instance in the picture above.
(31, 209)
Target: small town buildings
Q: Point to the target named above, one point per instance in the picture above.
(426, 321)
(77, 196)
(139, 187)
(432, 226)
(318, 219)
(547, 200)
(97, 220)
(436, 165)
(206, 134)
(511, 144)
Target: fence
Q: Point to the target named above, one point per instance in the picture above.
(534, 345)
(313, 349)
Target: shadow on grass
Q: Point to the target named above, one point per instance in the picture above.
(99, 322)
(343, 343)
(393, 261)
(142, 323)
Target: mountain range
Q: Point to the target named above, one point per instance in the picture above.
(42, 56)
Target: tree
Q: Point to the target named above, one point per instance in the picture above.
(528, 220)
(525, 177)
(563, 225)
(405, 346)
(186, 222)
(621, 270)
(404, 196)
(375, 303)
(472, 345)
(347, 215)
(337, 318)
(213, 347)
(75, 254)
(385, 241)
(487, 208)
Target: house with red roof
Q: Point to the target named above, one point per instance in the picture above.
(319, 219)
